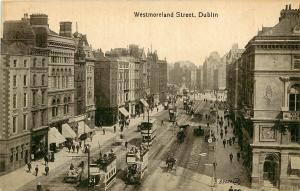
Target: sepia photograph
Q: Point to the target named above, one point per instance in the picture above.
(150, 95)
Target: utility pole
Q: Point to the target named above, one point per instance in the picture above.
(148, 128)
(88, 150)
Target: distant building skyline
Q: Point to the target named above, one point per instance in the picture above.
(177, 38)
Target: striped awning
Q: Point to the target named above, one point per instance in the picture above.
(144, 102)
(67, 131)
(83, 128)
(55, 137)
(124, 111)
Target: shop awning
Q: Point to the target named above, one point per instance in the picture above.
(83, 128)
(144, 102)
(124, 111)
(295, 163)
(55, 137)
(67, 131)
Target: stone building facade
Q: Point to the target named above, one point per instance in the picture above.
(269, 105)
(106, 94)
(84, 65)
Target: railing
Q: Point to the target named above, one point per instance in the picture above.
(291, 115)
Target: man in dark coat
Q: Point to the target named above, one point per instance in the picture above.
(36, 170)
(224, 142)
(231, 157)
(46, 170)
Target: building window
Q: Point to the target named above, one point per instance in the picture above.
(33, 97)
(67, 81)
(25, 100)
(63, 82)
(34, 80)
(14, 81)
(12, 156)
(65, 105)
(14, 125)
(43, 97)
(295, 133)
(34, 62)
(15, 63)
(25, 122)
(43, 117)
(25, 63)
(54, 81)
(43, 79)
(43, 62)
(33, 119)
(15, 101)
(25, 80)
(296, 62)
(294, 98)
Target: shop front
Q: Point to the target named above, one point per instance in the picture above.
(39, 142)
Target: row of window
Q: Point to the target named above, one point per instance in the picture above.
(25, 98)
(18, 151)
(60, 82)
(66, 110)
(62, 72)
(34, 80)
(15, 123)
(34, 63)
(57, 59)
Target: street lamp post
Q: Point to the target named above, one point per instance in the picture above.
(148, 128)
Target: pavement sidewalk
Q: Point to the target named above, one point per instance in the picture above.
(16, 179)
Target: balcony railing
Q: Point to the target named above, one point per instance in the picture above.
(291, 115)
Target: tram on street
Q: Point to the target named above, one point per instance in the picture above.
(103, 172)
(172, 113)
(137, 164)
(148, 131)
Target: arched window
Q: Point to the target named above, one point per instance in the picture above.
(294, 98)
(34, 62)
(34, 80)
(65, 105)
(70, 71)
(63, 82)
(53, 72)
(53, 108)
(43, 62)
(43, 79)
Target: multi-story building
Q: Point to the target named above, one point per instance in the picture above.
(163, 80)
(199, 79)
(269, 114)
(15, 109)
(153, 98)
(84, 80)
(210, 74)
(106, 89)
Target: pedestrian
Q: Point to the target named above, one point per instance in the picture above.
(230, 189)
(231, 157)
(46, 170)
(36, 170)
(162, 122)
(80, 143)
(225, 132)
(221, 134)
(73, 148)
(29, 166)
(77, 148)
(103, 131)
(156, 109)
(46, 159)
(126, 144)
(225, 127)
(224, 142)
(69, 147)
(115, 128)
(233, 140)
(230, 141)
(238, 156)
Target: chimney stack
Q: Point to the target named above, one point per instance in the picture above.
(286, 7)
(290, 7)
(65, 29)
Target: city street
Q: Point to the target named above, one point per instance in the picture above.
(193, 157)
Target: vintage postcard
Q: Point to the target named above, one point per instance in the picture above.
(162, 95)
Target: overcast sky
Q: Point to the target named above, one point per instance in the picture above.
(111, 24)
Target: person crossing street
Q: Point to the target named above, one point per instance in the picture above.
(46, 170)
(36, 170)
(231, 157)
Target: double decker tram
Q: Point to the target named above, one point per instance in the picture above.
(148, 131)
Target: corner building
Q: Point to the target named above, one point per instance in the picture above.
(271, 100)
